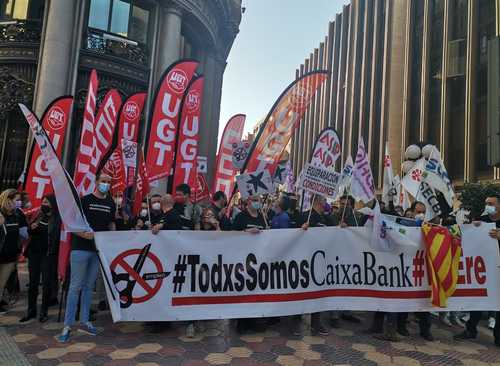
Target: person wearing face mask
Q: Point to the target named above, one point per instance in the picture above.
(42, 252)
(190, 214)
(122, 218)
(250, 220)
(12, 224)
(491, 214)
(99, 209)
(142, 220)
(219, 208)
(281, 220)
(155, 209)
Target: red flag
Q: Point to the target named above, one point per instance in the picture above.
(116, 170)
(225, 173)
(163, 125)
(201, 189)
(86, 168)
(142, 187)
(281, 122)
(54, 121)
(105, 125)
(130, 116)
(187, 140)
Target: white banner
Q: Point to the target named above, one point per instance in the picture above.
(323, 182)
(190, 275)
(362, 185)
(259, 182)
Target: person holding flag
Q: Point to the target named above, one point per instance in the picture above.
(99, 210)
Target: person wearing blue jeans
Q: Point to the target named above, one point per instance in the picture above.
(100, 211)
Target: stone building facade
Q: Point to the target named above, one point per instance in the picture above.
(49, 47)
(402, 72)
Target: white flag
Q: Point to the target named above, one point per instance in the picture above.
(258, 182)
(380, 240)
(362, 186)
(412, 179)
(388, 191)
(427, 196)
(436, 175)
(401, 197)
(67, 199)
(346, 177)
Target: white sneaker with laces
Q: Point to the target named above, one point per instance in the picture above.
(491, 323)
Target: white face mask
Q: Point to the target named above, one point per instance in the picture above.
(119, 201)
(420, 217)
(156, 206)
(490, 210)
(144, 212)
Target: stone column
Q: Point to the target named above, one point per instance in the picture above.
(169, 39)
(54, 64)
(168, 50)
(213, 70)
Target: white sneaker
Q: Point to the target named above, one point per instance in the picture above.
(491, 322)
(445, 320)
(190, 330)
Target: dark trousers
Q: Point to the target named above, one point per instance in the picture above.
(40, 266)
(424, 321)
(393, 320)
(475, 318)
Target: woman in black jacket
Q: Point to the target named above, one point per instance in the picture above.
(42, 253)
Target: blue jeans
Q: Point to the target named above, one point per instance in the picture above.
(84, 268)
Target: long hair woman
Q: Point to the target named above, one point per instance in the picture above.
(11, 228)
(42, 253)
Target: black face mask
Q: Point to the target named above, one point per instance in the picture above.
(45, 209)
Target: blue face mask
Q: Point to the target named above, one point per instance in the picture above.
(256, 205)
(490, 210)
(103, 187)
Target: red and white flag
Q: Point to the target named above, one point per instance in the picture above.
(412, 180)
(165, 118)
(188, 136)
(86, 168)
(388, 190)
(54, 121)
(130, 117)
(116, 170)
(281, 122)
(224, 170)
(201, 189)
(142, 187)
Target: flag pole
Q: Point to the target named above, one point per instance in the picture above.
(310, 211)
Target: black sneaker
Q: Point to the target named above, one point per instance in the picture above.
(427, 336)
(464, 336)
(335, 323)
(351, 318)
(102, 306)
(27, 318)
(3, 309)
(319, 330)
(403, 331)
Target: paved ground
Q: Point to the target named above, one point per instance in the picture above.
(133, 344)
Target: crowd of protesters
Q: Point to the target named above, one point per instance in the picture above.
(37, 238)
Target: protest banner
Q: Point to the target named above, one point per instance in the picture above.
(259, 182)
(319, 180)
(191, 275)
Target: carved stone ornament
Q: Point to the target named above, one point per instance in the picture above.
(13, 90)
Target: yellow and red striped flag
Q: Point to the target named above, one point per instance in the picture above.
(443, 252)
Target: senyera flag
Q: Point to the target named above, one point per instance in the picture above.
(161, 137)
(188, 136)
(224, 170)
(86, 167)
(281, 122)
(68, 201)
(55, 122)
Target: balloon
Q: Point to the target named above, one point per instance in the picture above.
(407, 166)
(427, 149)
(412, 152)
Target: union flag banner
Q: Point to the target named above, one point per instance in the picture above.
(105, 126)
(116, 170)
(188, 136)
(281, 122)
(130, 117)
(163, 125)
(142, 187)
(86, 168)
(224, 169)
(444, 250)
(201, 189)
(54, 121)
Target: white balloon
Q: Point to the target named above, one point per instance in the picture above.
(412, 152)
(407, 166)
(426, 150)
